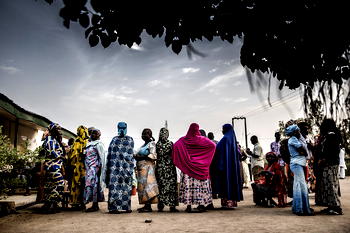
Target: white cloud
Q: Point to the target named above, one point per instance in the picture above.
(139, 102)
(213, 70)
(231, 100)
(122, 99)
(136, 47)
(127, 90)
(226, 99)
(236, 84)
(156, 83)
(218, 49)
(198, 107)
(10, 69)
(238, 71)
(241, 100)
(190, 70)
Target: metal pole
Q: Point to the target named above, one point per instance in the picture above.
(245, 131)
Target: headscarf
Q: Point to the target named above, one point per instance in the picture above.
(80, 142)
(55, 133)
(164, 146)
(163, 135)
(193, 153)
(90, 129)
(54, 130)
(97, 132)
(271, 156)
(291, 129)
(82, 133)
(53, 126)
(225, 168)
(122, 129)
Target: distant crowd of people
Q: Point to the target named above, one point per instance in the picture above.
(78, 172)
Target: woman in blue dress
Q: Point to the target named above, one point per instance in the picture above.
(119, 171)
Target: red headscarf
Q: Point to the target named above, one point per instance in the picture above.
(193, 153)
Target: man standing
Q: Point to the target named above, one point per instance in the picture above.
(257, 157)
(275, 147)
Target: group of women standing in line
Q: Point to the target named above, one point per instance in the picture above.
(206, 169)
(74, 170)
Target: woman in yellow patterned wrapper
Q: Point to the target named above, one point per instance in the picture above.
(76, 158)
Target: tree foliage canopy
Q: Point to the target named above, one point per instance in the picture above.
(301, 43)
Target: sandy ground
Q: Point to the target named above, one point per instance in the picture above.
(247, 218)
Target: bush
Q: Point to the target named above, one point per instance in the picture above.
(14, 163)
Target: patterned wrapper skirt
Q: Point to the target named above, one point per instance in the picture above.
(54, 182)
(195, 192)
(147, 187)
(93, 191)
(328, 187)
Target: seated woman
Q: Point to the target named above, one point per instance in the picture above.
(272, 183)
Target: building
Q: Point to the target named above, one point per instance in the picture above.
(21, 125)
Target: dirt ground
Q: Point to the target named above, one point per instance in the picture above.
(246, 218)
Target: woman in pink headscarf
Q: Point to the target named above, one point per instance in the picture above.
(192, 154)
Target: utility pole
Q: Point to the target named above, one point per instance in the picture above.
(245, 127)
(166, 124)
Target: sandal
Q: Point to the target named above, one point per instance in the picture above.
(160, 207)
(210, 207)
(114, 212)
(92, 209)
(145, 210)
(333, 212)
(201, 209)
(173, 210)
(189, 209)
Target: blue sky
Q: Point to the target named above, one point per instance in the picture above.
(52, 71)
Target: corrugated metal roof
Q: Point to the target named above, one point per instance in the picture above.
(21, 113)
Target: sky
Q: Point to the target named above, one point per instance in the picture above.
(52, 71)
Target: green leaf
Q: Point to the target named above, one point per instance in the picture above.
(93, 40)
(84, 20)
(176, 46)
